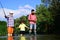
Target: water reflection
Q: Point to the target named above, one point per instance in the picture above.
(10, 38)
(33, 37)
(22, 38)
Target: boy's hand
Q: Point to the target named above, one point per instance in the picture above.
(27, 27)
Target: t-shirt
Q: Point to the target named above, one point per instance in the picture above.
(10, 21)
(22, 27)
(32, 17)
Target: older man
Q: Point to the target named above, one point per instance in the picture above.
(10, 23)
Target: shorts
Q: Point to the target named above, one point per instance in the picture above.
(10, 30)
(22, 32)
(32, 26)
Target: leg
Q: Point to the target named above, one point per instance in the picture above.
(34, 28)
(30, 28)
(13, 31)
(21, 33)
(10, 31)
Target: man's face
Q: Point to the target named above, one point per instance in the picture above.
(11, 14)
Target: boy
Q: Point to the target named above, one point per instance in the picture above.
(22, 27)
(32, 20)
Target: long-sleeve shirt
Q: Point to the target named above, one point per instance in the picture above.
(32, 19)
(10, 21)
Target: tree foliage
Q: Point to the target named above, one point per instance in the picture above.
(54, 8)
(43, 16)
(3, 28)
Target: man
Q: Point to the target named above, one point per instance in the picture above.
(32, 20)
(10, 23)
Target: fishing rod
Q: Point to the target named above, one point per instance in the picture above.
(2, 8)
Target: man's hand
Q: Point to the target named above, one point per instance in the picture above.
(6, 16)
(32, 21)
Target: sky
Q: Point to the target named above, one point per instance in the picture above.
(19, 7)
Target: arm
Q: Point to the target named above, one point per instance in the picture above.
(6, 16)
(19, 26)
(27, 27)
(29, 17)
(34, 19)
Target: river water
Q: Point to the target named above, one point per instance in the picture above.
(31, 37)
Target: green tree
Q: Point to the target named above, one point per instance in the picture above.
(43, 15)
(3, 28)
(54, 8)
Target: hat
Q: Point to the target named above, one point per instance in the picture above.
(11, 12)
(33, 10)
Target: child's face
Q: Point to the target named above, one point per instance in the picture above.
(33, 12)
(22, 22)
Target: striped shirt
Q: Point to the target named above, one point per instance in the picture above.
(10, 21)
